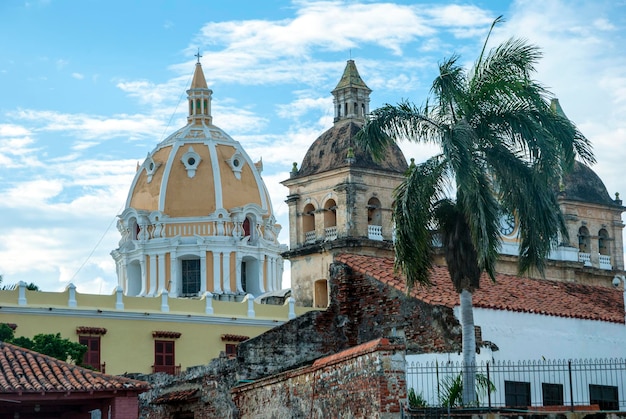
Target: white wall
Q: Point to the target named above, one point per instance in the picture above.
(526, 336)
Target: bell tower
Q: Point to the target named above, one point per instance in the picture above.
(340, 198)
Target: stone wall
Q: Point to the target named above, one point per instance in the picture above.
(366, 381)
(361, 310)
(200, 392)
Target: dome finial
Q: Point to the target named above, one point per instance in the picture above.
(198, 56)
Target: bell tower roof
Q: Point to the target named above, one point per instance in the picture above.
(199, 98)
(351, 97)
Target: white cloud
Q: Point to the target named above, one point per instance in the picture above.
(78, 76)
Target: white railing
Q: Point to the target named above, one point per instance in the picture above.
(375, 232)
(585, 258)
(605, 262)
(330, 233)
(309, 237)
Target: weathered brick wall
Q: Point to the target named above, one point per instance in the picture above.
(367, 381)
(202, 392)
(361, 309)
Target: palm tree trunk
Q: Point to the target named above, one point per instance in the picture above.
(469, 349)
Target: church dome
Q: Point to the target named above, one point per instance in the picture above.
(584, 185)
(198, 217)
(198, 169)
(336, 148)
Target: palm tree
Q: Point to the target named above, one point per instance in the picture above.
(502, 153)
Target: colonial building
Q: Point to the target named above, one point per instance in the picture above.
(197, 254)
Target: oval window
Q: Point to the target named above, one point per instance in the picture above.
(191, 161)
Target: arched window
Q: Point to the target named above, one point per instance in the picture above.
(197, 107)
(374, 215)
(249, 229)
(338, 111)
(246, 227)
(308, 223)
(251, 275)
(584, 240)
(330, 220)
(321, 293)
(206, 107)
(374, 219)
(346, 111)
(190, 277)
(133, 228)
(603, 242)
(356, 108)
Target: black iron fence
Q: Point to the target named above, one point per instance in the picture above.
(543, 385)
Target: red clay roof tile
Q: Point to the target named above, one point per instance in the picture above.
(509, 292)
(22, 370)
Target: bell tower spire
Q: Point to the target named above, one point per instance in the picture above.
(199, 97)
(351, 96)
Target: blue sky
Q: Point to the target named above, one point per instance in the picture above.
(88, 88)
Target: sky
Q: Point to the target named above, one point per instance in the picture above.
(88, 88)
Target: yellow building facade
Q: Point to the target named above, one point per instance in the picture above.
(129, 330)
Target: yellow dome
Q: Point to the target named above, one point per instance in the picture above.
(198, 217)
(199, 168)
(196, 171)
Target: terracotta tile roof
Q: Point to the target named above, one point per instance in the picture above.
(180, 396)
(166, 334)
(25, 371)
(365, 348)
(509, 292)
(234, 338)
(87, 330)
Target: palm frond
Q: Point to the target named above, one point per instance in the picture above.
(393, 123)
(413, 215)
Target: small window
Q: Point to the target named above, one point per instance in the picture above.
(321, 293)
(190, 277)
(517, 393)
(231, 350)
(552, 394)
(164, 356)
(604, 396)
(91, 358)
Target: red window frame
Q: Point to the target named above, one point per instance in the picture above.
(92, 355)
(164, 356)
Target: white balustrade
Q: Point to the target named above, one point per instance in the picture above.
(375, 232)
(605, 262)
(331, 233)
(585, 258)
